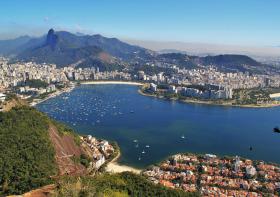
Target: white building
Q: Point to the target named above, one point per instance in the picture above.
(153, 87)
(2, 97)
(51, 88)
(173, 89)
(98, 161)
(251, 171)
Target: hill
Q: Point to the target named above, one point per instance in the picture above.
(224, 63)
(24, 138)
(78, 50)
(108, 185)
(239, 63)
(63, 48)
(37, 156)
(9, 47)
(31, 146)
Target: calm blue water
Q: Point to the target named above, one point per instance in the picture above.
(119, 113)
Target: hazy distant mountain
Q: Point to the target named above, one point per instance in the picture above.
(225, 63)
(11, 46)
(200, 49)
(64, 48)
(233, 62)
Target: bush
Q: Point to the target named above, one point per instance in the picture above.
(123, 184)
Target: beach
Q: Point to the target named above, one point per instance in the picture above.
(114, 167)
(117, 168)
(111, 82)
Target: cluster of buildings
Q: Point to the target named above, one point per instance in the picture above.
(213, 176)
(14, 74)
(208, 92)
(236, 80)
(210, 75)
(26, 90)
(101, 150)
(94, 74)
(217, 85)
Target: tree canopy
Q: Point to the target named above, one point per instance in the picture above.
(27, 158)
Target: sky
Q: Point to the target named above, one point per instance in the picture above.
(235, 22)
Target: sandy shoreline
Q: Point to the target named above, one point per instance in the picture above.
(111, 82)
(117, 168)
(55, 94)
(114, 167)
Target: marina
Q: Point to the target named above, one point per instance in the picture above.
(160, 128)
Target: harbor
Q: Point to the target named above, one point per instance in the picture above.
(148, 129)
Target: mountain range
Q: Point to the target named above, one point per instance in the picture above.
(67, 49)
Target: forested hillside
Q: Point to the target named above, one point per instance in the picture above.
(115, 185)
(27, 156)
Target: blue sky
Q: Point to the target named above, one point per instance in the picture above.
(240, 22)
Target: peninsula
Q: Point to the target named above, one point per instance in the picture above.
(251, 98)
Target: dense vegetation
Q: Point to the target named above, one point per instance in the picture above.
(252, 96)
(152, 70)
(102, 65)
(26, 156)
(36, 83)
(179, 59)
(118, 185)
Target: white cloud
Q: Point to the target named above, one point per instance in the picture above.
(46, 19)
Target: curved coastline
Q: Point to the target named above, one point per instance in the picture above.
(192, 101)
(111, 82)
(114, 167)
(119, 167)
(52, 95)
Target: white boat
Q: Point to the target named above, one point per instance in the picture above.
(183, 137)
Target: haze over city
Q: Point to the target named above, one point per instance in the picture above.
(191, 26)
